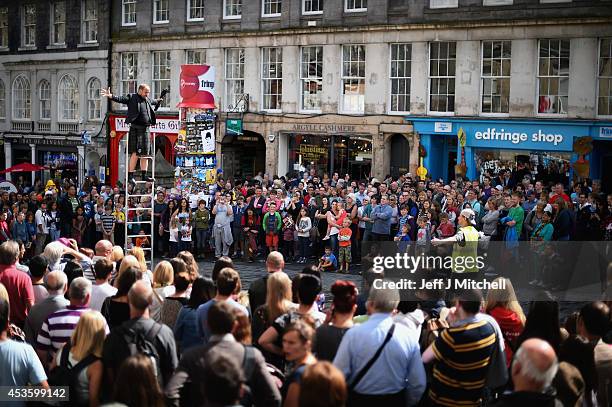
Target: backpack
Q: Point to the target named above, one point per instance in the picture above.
(140, 343)
(64, 374)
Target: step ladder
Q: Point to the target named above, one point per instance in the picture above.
(138, 214)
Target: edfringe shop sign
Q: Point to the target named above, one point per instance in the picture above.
(528, 138)
(169, 126)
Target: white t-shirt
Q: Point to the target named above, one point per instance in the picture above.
(173, 235)
(99, 293)
(39, 218)
(186, 233)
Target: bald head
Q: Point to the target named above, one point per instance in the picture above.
(56, 283)
(535, 366)
(140, 296)
(104, 248)
(275, 262)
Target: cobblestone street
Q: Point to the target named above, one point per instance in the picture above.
(250, 272)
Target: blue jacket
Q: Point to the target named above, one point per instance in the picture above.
(382, 219)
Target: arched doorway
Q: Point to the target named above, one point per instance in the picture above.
(400, 155)
(243, 156)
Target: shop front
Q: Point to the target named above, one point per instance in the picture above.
(543, 148)
(334, 153)
(165, 132)
(63, 157)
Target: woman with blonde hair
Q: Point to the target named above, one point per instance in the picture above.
(84, 352)
(502, 305)
(140, 256)
(127, 262)
(163, 286)
(117, 256)
(278, 302)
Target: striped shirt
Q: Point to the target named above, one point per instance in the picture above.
(463, 354)
(58, 328)
(108, 221)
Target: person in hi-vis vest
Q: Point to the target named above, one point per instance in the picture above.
(465, 243)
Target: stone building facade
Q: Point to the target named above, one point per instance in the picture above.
(340, 85)
(53, 61)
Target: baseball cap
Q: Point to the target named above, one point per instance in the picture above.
(469, 215)
(548, 208)
(499, 187)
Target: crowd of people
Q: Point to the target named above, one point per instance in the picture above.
(82, 307)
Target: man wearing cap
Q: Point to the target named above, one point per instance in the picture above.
(530, 202)
(465, 242)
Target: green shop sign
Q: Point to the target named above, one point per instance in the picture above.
(233, 127)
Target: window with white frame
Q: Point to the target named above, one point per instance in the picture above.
(195, 56)
(443, 3)
(604, 78)
(272, 78)
(312, 6)
(311, 78)
(553, 76)
(355, 5)
(495, 76)
(353, 78)
(442, 61)
(195, 10)
(234, 76)
(129, 72)
(44, 98)
(128, 12)
(90, 21)
(21, 98)
(271, 8)
(68, 99)
(401, 65)
(232, 9)
(497, 2)
(58, 25)
(3, 27)
(94, 101)
(2, 100)
(160, 12)
(161, 71)
(28, 37)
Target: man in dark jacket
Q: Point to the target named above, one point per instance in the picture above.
(533, 369)
(185, 386)
(140, 116)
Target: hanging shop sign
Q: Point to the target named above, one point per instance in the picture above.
(169, 126)
(233, 127)
(197, 86)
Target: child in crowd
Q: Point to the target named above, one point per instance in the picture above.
(4, 228)
(239, 211)
(98, 221)
(201, 226)
(344, 241)
(403, 237)
(108, 224)
(328, 261)
(173, 238)
(423, 235)
(446, 228)
(303, 226)
(272, 224)
(119, 224)
(250, 227)
(288, 242)
(142, 240)
(185, 243)
(78, 225)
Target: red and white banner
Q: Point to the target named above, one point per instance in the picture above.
(197, 86)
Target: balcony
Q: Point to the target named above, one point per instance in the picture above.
(21, 126)
(44, 127)
(68, 127)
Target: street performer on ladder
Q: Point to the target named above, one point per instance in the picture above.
(140, 116)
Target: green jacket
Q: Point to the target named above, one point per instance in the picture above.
(278, 223)
(202, 219)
